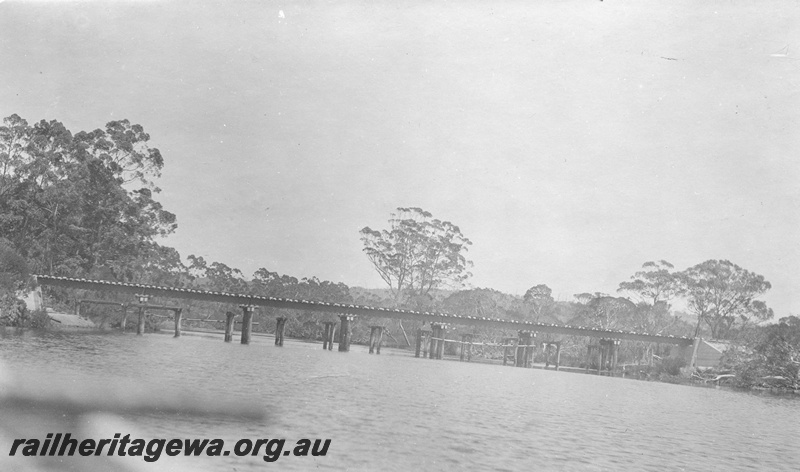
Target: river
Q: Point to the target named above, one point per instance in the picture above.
(395, 412)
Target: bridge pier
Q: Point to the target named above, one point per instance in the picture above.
(423, 336)
(608, 351)
(375, 339)
(140, 325)
(509, 344)
(558, 355)
(442, 334)
(525, 349)
(603, 356)
(140, 322)
(432, 341)
(344, 334)
(438, 332)
(280, 324)
(420, 345)
(124, 318)
(614, 355)
(178, 316)
(466, 347)
(589, 349)
(247, 322)
(229, 326)
(548, 348)
(327, 338)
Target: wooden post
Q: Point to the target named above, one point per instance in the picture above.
(247, 322)
(418, 344)
(280, 325)
(524, 348)
(325, 337)
(140, 324)
(603, 349)
(178, 316)
(614, 350)
(434, 335)
(425, 341)
(547, 355)
(463, 346)
(124, 317)
(469, 349)
(229, 326)
(505, 350)
(588, 355)
(380, 340)
(372, 339)
(440, 349)
(514, 350)
(558, 354)
(344, 335)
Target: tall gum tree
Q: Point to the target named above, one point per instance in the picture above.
(540, 301)
(721, 294)
(653, 288)
(80, 204)
(417, 254)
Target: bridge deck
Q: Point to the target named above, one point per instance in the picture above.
(338, 308)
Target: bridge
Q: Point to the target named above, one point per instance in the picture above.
(521, 348)
(359, 310)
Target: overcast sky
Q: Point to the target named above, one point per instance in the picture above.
(571, 141)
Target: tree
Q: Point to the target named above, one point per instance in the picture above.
(602, 311)
(654, 284)
(13, 278)
(80, 204)
(771, 358)
(540, 300)
(417, 254)
(721, 293)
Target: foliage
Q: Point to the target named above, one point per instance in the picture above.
(602, 311)
(13, 278)
(721, 293)
(82, 204)
(654, 284)
(770, 359)
(540, 300)
(484, 303)
(671, 365)
(417, 254)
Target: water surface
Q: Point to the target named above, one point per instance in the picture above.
(396, 412)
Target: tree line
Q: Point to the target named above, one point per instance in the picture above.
(85, 205)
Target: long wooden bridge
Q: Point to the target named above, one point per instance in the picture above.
(521, 347)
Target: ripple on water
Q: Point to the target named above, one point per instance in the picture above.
(395, 412)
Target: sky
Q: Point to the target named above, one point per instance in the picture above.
(571, 141)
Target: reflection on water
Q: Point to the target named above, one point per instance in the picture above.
(396, 412)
